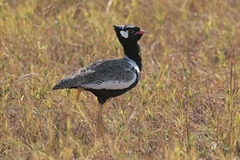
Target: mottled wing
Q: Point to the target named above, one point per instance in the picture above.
(103, 74)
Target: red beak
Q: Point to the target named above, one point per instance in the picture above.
(141, 32)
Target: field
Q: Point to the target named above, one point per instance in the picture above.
(186, 106)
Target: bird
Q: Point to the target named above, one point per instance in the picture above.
(109, 78)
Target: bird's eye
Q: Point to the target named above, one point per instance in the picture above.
(130, 31)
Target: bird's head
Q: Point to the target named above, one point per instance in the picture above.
(128, 33)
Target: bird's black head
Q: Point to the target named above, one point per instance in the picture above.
(128, 33)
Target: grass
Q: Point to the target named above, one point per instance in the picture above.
(185, 107)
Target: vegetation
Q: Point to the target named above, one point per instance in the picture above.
(187, 105)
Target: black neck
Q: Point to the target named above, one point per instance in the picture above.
(132, 51)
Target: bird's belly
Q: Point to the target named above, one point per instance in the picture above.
(104, 94)
(108, 93)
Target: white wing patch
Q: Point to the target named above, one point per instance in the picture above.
(124, 34)
(111, 85)
(133, 64)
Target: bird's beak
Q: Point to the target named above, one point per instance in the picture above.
(141, 32)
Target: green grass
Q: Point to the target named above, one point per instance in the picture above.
(186, 105)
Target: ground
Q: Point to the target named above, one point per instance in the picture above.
(186, 106)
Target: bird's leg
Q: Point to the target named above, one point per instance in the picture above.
(79, 90)
(100, 122)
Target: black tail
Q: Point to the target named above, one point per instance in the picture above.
(56, 87)
(65, 83)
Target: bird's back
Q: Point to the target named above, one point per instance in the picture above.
(113, 74)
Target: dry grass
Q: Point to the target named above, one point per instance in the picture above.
(187, 105)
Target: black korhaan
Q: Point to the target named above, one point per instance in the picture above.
(109, 78)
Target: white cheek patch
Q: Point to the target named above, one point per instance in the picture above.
(124, 34)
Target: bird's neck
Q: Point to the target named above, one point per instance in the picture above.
(132, 51)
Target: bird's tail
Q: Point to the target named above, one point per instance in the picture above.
(65, 83)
